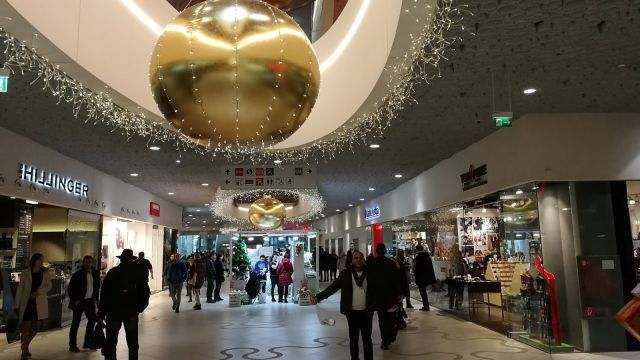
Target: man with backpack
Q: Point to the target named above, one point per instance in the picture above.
(125, 294)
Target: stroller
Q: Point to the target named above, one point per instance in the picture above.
(253, 286)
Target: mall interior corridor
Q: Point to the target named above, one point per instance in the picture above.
(289, 331)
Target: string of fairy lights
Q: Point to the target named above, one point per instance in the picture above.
(419, 66)
(223, 198)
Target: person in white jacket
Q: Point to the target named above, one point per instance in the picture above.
(31, 301)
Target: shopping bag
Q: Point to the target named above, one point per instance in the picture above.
(324, 317)
(97, 336)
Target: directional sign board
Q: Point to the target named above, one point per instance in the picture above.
(248, 177)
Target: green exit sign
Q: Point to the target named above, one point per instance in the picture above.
(4, 84)
(502, 120)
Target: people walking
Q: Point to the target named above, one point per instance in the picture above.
(424, 275)
(352, 249)
(333, 265)
(31, 301)
(262, 268)
(354, 304)
(342, 261)
(219, 267)
(273, 273)
(211, 277)
(284, 270)
(198, 277)
(176, 277)
(405, 276)
(125, 294)
(145, 265)
(84, 292)
(189, 265)
(384, 286)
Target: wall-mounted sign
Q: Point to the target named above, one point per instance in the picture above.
(502, 119)
(4, 80)
(474, 177)
(154, 209)
(53, 181)
(371, 213)
(249, 177)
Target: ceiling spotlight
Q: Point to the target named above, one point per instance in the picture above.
(205, 184)
(12, 198)
(566, 209)
(337, 210)
(514, 204)
(406, 221)
(206, 204)
(534, 187)
(397, 176)
(529, 91)
(154, 148)
(484, 210)
(277, 161)
(31, 202)
(372, 189)
(519, 192)
(374, 146)
(133, 174)
(632, 202)
(204, 221)
(620, 66)
(170, 193)
(362, 199)
(350, 205)
(198, 210)
(191, 215)
(178, 161)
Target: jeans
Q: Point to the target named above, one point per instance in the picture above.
(360, 322)
(210, 285)
(88, 307)
(113, 329)
(274, 284)
(263, 281)
(386, 322)
(216, 292)
(283, 290)
(423, 295)
(175, 291)
(190, 291)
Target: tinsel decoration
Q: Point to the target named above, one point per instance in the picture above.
(420, 66)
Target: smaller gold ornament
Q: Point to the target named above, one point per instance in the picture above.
(267, 213)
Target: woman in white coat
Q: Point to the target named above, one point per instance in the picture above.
(31, 301)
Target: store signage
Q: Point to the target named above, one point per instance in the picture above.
(503, 119)
(4, 80)
(53, 181)
(154, 209)
(248, 177)
(474, 177)
(371, 213)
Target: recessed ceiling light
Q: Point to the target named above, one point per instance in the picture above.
(206, 204)
(178, 161)
(372, 189)
(566, 209)
(134, 174)
(374, 146)
(198, 210)
(484, 210)
(205, 184)
(171, 193)
(188, 222)
(406, 221)
(632, 202)
(350, 205)
(620, 66)
(31, 202)
(277, 161)
(519, 192)
(362, 199)
(204, 221)
(337, 210)
(12, 198)
(190, 215)
(154, 148)
(529, 91)
(397, 176)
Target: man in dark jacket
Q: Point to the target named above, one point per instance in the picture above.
(176, 277)
(354, 304)
(84, 290)
(211, 277)
(424, 274)
(219, 277)
(145, 264)
(125, 294)
(386, 292)
(352, 249)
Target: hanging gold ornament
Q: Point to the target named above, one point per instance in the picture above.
(234, 73)
(267, 213)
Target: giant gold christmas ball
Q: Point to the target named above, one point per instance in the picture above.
(234, 73)
(267, 213)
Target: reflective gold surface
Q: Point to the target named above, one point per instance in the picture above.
(267, 213)
(234, 72)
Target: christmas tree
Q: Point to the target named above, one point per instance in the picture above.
(240, 260)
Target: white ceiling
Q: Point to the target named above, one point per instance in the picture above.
(569, 49)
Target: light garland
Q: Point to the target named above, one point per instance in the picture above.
(223, 198)
(420, 65)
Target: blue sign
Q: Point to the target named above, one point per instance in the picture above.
(371, 213)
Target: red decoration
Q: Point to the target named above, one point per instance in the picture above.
(629, 317)
(277, 68)
(154, 209)
(553, 297)
(377, 236)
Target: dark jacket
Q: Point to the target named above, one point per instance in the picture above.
(349, 257)
(344, 283)
(177, 273)
(333, 262)
(273, 269)
(285, 269)
(199, 271)
(219, 270)
(423, 270)
(125, 292)
(78, 286)
(211, 269)
(383, 283)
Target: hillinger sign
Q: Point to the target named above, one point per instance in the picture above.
(53, 181)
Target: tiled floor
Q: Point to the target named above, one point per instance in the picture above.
(289, 331)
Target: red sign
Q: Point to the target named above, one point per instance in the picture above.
(259, 171)
(259, 181)
(154, 209)
(239, 171)
(589, 311)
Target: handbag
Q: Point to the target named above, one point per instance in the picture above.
(97, 336)
(192, 281)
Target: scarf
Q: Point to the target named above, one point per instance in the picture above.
(359, 279)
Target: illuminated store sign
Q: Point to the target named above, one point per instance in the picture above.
(371, 213)
(53, 181)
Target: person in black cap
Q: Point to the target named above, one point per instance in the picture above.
(125, 294)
